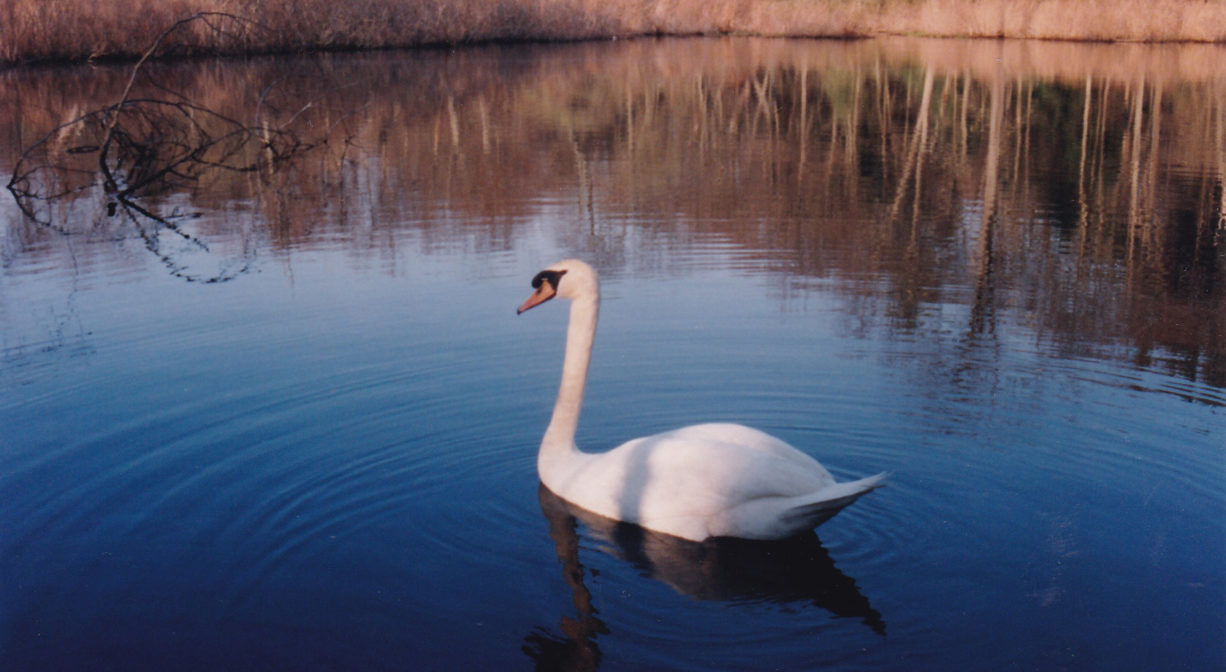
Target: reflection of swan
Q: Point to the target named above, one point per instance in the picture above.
(792, 570)
(576, 651)
(713, 480)
(797, 569)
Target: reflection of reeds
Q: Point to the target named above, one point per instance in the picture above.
(80, 29)
(1088, 201)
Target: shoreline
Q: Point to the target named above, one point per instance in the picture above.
(81, 31)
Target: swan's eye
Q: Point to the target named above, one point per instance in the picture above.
(552, 277)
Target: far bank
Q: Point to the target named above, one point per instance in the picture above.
(82, 30)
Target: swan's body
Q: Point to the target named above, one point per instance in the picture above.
(710, 480)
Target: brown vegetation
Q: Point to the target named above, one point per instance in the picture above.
(42, 30)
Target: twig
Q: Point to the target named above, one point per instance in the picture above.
(111, 117)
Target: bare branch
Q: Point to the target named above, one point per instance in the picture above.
(146, 146)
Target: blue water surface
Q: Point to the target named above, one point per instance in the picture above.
(334, 469)
(327, 461)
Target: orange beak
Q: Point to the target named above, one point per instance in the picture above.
(543, 293)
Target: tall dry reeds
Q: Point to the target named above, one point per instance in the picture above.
(75, 30)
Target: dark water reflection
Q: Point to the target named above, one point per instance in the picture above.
(274, 412)
(795, 570)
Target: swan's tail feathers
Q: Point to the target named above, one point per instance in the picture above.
(815, 509)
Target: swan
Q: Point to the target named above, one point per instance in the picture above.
(696, 482)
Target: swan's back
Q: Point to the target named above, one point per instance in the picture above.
(756, 440)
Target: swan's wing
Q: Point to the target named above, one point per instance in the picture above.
(690, 482)
(677, 482)
(697, 482)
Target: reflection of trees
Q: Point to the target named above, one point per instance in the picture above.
(1076, 189)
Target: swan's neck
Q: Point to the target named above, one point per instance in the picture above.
(559, 441)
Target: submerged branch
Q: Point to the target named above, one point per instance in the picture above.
(146, 147)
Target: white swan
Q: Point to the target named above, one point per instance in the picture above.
(711, 480)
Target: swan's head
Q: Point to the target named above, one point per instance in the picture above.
(569, 279)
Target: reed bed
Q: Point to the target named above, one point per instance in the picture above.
(78, 30)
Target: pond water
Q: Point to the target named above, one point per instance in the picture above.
(265, 403)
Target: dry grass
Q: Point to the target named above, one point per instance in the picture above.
(1097, 20)
(51, 30)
